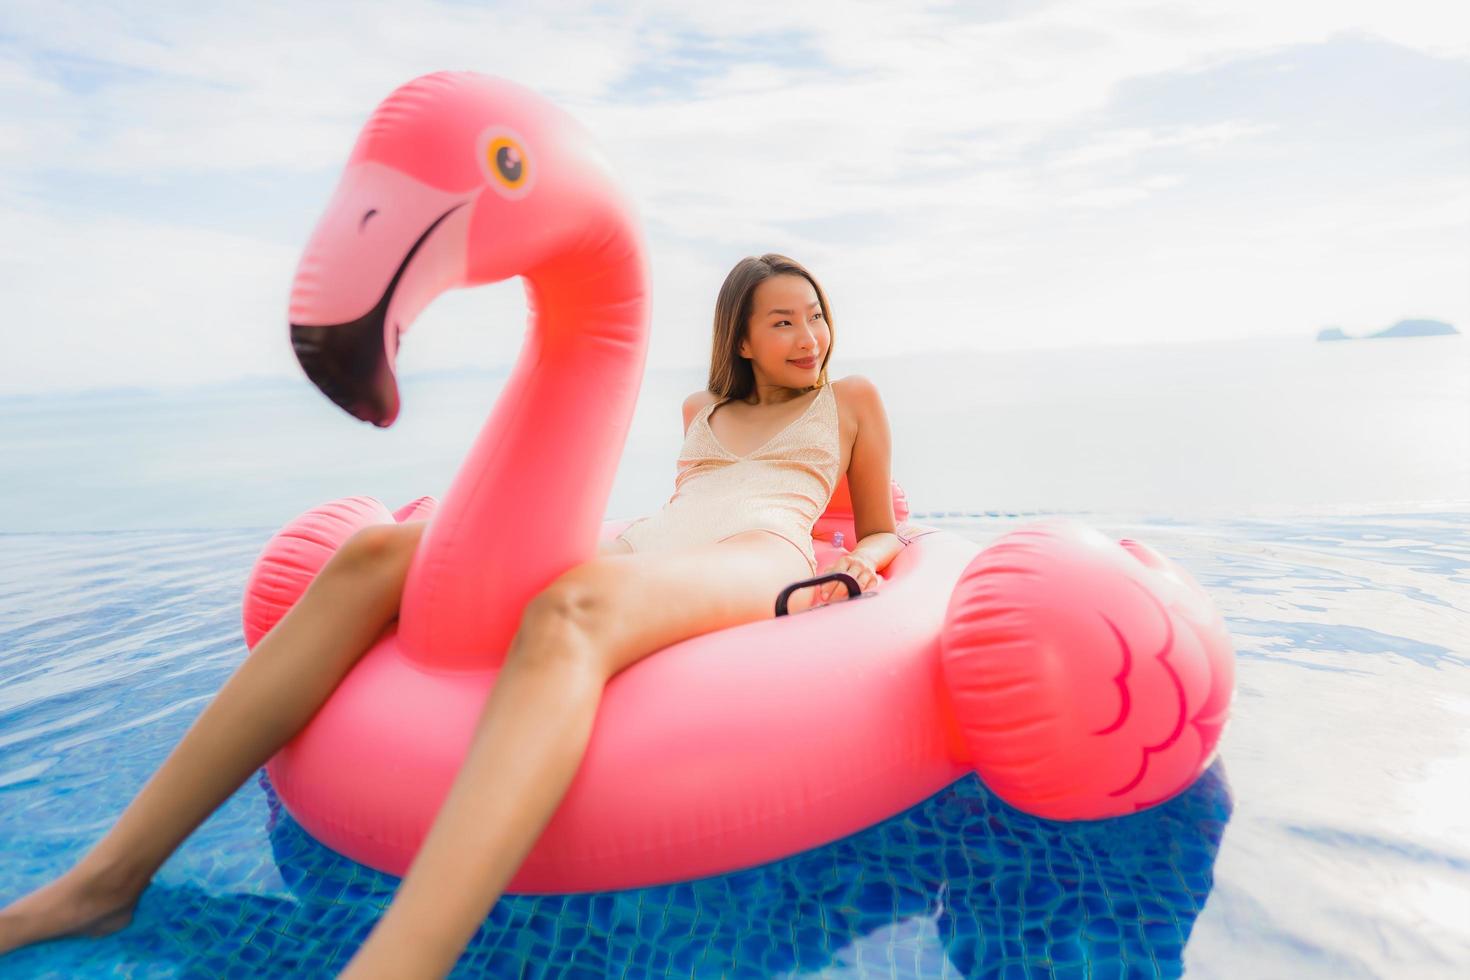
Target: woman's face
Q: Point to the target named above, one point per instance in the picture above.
(786, 325)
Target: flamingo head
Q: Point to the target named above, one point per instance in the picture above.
(457, 179)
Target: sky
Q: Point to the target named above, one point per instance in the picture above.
(985, 175)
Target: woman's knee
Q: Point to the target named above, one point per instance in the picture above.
(380, 546)
(562, 621)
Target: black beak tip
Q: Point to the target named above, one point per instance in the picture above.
(347, 363)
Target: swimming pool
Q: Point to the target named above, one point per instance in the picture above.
(1331, 838)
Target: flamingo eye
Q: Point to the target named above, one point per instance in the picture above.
(504, 161)
(507, 162)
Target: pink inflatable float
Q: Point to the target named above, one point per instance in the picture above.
(1081, 678)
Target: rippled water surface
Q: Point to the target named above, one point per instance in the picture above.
(1330, 839)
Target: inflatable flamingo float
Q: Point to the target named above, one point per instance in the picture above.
(1080, 677)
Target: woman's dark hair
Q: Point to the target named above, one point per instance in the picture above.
(730, 375)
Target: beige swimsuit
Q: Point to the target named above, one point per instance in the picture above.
(781, 487)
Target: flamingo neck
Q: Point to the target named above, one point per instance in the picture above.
(528, 501)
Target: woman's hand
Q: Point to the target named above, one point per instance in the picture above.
(853, 564)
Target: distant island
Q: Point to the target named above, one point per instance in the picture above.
(1404, 328)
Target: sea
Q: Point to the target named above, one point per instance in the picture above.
(1319, 492)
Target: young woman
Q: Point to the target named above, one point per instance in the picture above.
(764, 447)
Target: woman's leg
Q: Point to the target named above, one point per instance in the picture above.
(613, 547)
(270, 697)
(592, 622)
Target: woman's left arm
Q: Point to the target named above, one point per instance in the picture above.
(871, 487)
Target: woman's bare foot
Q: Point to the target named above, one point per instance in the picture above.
(76, 904)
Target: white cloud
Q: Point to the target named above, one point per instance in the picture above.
(900, 151)
(125, 302)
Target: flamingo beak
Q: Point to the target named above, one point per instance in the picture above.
(352, 362)
(348, 362)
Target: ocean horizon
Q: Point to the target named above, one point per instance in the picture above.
(1239, 428)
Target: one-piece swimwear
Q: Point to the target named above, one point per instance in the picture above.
(782, 486)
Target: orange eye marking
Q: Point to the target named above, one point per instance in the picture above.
(507, 162)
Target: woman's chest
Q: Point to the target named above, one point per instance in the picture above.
(738, 432)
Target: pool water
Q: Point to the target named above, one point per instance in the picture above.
(1331, 838)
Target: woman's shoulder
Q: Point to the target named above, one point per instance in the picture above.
(859, 402)
(695, 404)
(699, 401)
(855, 388)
